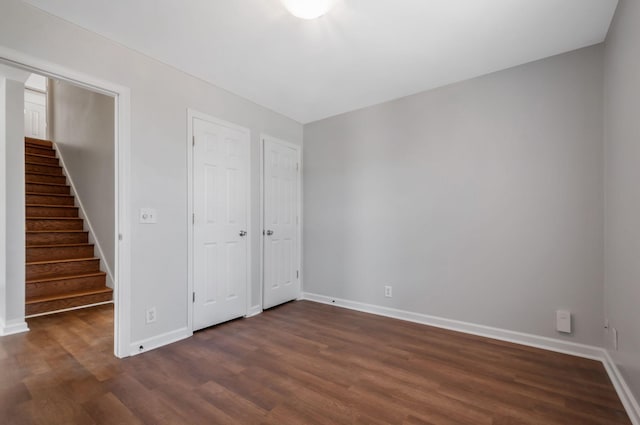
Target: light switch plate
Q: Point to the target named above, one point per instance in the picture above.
(148, 216)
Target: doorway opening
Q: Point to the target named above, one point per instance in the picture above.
(35, 107)
(108, 266)
(69, 196)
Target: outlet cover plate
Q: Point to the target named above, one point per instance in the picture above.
(151, 315)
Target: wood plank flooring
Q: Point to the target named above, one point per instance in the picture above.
(301, 363)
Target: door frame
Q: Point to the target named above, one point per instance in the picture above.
(122, 176)
(191, 115)
(298, 149)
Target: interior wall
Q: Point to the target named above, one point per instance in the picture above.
(82, 123)
(16, 256)
(622, 180)
(12, 210)
(160, 96)
(481, 201)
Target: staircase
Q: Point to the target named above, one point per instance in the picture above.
(61, 269)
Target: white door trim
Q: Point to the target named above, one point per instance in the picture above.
(298, 149)
(122, 98)
(191, 115)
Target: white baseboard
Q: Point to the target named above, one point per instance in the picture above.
(564, 347)
(624, 392)
(13, 327)
(587, 351)
(158, 341)
(254, 311)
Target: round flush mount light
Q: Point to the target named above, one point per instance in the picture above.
(308, 9)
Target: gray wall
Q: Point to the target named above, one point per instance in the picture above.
(622, 182)
(160, 96)
(81, 122)
(481, 201)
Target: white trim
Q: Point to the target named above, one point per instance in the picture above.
(38, 91)
(581, 350)
(83, 214)
(254, 311)
(261, 229)
(122, 97)
(191, 115)
(624, 392)
(298, 149)
(122, 236)
(190, 260)
(15, 327)
(69, 309)
(3, 205)
(159, 341)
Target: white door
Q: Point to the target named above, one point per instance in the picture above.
(220, 189)
(35, 114)
(281, 217)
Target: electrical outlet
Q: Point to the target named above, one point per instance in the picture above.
(148, 216)
(151, 315)
(606, 324)
(388, 291)
(563, 321)
(614, 336)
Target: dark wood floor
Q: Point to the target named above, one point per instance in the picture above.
(301, 363)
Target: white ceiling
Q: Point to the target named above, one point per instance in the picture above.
(362, 53)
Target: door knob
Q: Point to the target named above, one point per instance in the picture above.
(243, 233)
(269, 232)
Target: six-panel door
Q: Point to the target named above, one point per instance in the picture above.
(281, 217)
(220, 185)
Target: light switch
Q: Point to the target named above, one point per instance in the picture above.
(148, 216)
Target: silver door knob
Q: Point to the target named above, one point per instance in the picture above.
(243, 233)
(269, 232)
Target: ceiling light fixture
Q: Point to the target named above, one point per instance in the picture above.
(308, 9)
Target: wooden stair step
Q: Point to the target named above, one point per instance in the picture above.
(39, 150)
(59, 285)
(59, 252)
(35, 177)
(47, 188)
(41, 159)
(37, 210)
(61, 268)
(54, 223)
(54, 237)
(33, 198)
(38, 142)
(46, 304)
(51, 170)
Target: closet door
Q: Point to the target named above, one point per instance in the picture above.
(281, 218)
(220, 252)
